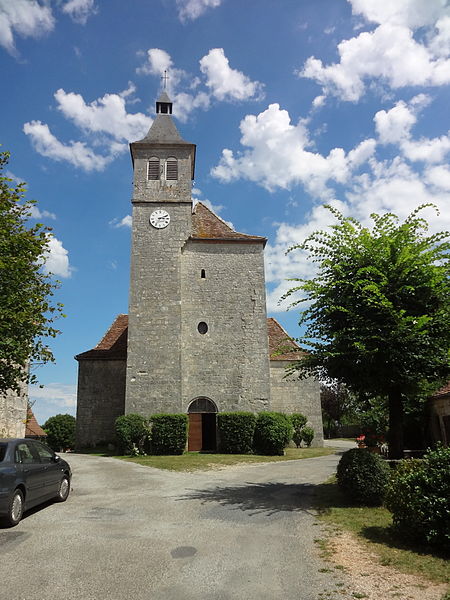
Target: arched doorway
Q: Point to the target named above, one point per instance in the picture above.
(202, 425)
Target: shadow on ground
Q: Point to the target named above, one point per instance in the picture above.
(269, 498)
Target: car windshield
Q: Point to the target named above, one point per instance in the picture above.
(2, 451)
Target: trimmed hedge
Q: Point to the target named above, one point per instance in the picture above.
(169, 433)
(363, 476)
(60, 431)
(419, 498)
(307, 435)
(298, 422)
(132, 432)
(236, 432)
(273, 431)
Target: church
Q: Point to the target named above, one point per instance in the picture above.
(196, 339)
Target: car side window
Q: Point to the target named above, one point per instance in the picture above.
(23, 454)
(45, 454)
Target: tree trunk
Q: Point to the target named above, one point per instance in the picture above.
(395, 424)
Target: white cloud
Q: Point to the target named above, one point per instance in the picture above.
(277, 156)
(79, 10)
(158, 61)
(28, 18)
(126, 221)
(226, 83)
(106, 115)
(388, 186)
(439, 177)
(35, 18)
(75, 153)
(41, 214)
(219, 81)
(56, 259)
(192, 9)
(394, 127)
(52, 399)
(389, 53)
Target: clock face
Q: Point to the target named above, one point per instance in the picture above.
(159, 218)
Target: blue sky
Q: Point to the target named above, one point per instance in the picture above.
(291, 103)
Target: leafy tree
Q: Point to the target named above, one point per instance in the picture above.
(60, 431)
(378, 317)
(26, 312)
(337, 403)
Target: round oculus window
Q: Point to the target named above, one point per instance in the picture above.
(202, 327)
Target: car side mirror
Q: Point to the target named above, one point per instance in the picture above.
(56, 458)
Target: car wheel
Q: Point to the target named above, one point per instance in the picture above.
(15, 509)
(64, 489)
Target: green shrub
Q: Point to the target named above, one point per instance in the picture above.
(298, 421)
(307, 435)
(132, 434)
(60, 431)
(236, 432)
(363, 476)
(419, 498)
(169, 433)
(273, 431)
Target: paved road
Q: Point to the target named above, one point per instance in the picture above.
(135, 532)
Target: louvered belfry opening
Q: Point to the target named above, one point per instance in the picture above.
(172, 168)
(153, 169)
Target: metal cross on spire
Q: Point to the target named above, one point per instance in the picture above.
(164, 78)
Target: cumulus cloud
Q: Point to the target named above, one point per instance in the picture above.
(394, 127)
(126, 221)
(189, 10)
(75, 153)
(35, 18)
(56, 259)
(390, 53)
(36, 213)
(79, 10)
(224, 82)
(219, 81)
(276, 155)
(27, 18)
(106, 115)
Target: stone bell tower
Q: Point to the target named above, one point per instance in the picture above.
(162, 210)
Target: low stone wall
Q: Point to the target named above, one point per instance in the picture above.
(13, 413)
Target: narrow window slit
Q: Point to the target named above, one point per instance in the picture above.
(203, 274)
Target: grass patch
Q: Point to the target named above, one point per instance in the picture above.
(372, 525)
(196, 461)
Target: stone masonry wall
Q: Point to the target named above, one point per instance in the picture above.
(296, 395)
(229, 364)
(101, 399)
(13, 412)
(154, 326)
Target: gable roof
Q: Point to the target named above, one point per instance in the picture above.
(281, 345)
(208, 226)
(113, 345)
(32, 428)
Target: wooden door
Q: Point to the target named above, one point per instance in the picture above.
(195, 432)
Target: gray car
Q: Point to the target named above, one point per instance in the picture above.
(30, 473)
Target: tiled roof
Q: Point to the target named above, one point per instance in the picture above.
(443, 392)
(281, 345)
(113, 346)
(208, 226)
(32, 428)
